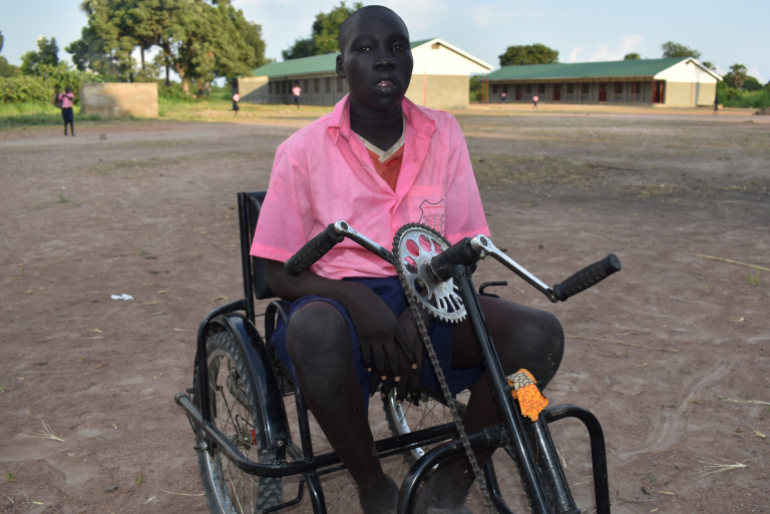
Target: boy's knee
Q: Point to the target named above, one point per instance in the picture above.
(316, 331)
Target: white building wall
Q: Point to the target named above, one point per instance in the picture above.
(434, 58)
(687, 71)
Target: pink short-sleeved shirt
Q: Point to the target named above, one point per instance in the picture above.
(323, 173)
(66, 100)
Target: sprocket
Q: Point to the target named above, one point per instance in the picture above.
(414, 245)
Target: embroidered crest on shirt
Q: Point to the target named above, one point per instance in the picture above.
(433, 215)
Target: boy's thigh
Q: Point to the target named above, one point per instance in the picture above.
(521, 334)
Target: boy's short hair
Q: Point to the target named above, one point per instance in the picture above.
(343, 35)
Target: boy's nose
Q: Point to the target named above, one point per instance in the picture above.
(384, 62)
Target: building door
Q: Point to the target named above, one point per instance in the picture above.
(518, 92)
(658, 92)
(602, 91)
(557, 92)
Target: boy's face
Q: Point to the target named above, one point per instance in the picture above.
(377, 60)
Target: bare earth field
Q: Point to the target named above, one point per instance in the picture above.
(150, 212)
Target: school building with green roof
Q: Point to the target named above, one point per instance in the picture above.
(681, 82)
(440, 78)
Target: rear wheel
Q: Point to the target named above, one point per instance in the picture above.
(431, 412)
(235, 412)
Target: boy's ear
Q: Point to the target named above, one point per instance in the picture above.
(340, 67)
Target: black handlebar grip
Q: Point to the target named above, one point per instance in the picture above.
(587, 277)
(313, 251)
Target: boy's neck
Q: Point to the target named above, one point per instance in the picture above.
(381, 128)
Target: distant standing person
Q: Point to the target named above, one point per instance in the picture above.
(297, 91)
(535, 99)
(716, 103)
(67, 99)
(503, 96)
(236, 99)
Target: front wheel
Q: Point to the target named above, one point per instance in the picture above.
(235, 412)
(406, 417)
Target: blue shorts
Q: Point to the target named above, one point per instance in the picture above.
(391, 292)
(66, 113)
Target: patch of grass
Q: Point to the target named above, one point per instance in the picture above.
(9, 476)
(652, 477)
(62, 198)
(753, 279)
(46, 433)
(35, 114)
(140, 478)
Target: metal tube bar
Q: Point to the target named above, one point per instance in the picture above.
(384, 447)
(346, 230)
(598, 450)
(563, 501)
(508, 411)
(493, 436)
(482, 243)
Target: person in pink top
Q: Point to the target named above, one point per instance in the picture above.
(379, 161)
(297, 92)
(67, 99)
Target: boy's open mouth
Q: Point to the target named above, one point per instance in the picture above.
(385, 83)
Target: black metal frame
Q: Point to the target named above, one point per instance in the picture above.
(273, 381)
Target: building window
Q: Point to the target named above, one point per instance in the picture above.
(528, 89)
(518, 88)
(494, 89)
(283, 87)
(541, 88)
(305, 86)
(618, 88)
(570, 88)
(586, 88)
(328, 85)
(636, 88)
(270, 87)
(505, 88)
(316, 85)
(339, 85)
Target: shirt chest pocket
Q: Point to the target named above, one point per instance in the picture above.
(427, 205)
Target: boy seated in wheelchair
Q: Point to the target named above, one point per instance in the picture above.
(379, 161)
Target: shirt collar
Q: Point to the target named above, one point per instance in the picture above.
(339, 123)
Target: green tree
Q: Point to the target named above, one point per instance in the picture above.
(709, 65)
(632, 57)
(323, 36)
(47, 54)
(529, 54)
(671, 49)
(6, 69)
(737, 76)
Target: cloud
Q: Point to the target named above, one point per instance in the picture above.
(573, 55)
(754, 72)
(482, 16)
(418, 15)
(606, 53)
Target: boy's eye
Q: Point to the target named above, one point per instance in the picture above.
(365, 48)
(399, 48)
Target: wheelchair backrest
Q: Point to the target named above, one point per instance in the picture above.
(254, 268)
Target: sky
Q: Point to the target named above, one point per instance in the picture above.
(588, 30)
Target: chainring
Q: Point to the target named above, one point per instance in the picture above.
(414, 246)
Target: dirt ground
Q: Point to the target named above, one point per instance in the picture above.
(150, 212)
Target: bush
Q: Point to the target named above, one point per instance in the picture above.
(731, 97)
(23, 88)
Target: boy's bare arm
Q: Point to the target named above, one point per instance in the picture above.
(384, 343)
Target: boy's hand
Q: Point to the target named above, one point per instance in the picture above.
(413, 335)
(385, 348)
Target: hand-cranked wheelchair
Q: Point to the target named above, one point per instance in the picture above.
(236, 405)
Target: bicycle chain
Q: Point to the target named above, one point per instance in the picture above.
(451, 402)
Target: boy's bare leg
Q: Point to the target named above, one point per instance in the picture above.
(524, 338)
(320, 347)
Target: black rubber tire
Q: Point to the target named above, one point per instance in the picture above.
(229, 490)
(406, 418)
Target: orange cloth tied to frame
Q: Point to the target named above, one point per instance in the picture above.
(531, 401)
